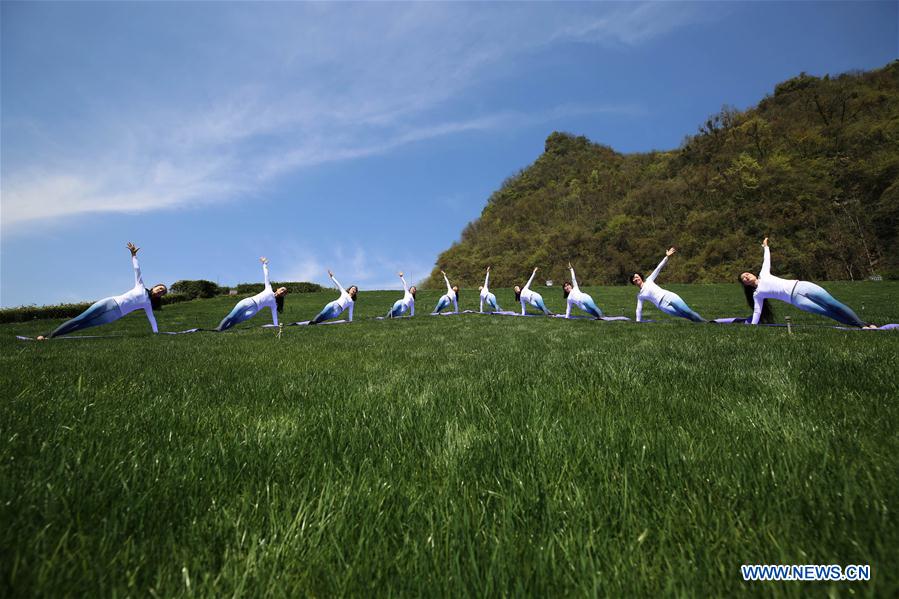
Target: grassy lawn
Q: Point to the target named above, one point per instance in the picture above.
(463, 455)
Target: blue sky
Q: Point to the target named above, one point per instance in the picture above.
(360, 137)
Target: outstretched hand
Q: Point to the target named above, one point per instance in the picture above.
(765, 242)
(133, 248)
(670, 252)
(536, 269)
(570, 267)
(400, 274)
(263, 259)
(330, 274)
(488, 269)
(443, 272)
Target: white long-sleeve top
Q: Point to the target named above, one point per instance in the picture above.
(137, 298)
(266, 297)
(650, 291)
(408, 299)
(485, 291)
(450, 294)
(576, 297)
(345, 300)
(526, 294)
(770, 287)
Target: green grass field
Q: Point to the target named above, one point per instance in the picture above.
(469, 455)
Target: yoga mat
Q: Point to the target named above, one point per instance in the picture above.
(886, 327)
(184, 332)
(304, 323)
(23, 338)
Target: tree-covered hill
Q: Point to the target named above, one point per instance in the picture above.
(815, 166)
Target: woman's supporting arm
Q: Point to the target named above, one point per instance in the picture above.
(639, 309)
(757, 309)
(149, 312)
(352, 304)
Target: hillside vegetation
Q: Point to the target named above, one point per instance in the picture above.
(815, 166)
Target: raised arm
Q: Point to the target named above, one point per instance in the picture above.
(639, 309)
(268, 284)
(449, 288)
(487, 278)
(405, 285)
(573, 278)
(661, 265)
(138, 280)
(336, 282)
(528, 284)
(766, 262)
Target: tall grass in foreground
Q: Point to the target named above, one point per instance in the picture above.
(471, 455)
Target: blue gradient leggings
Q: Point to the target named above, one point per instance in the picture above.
(102, 312)
(244, 310)
(331, 310)
(537, 302)
(444, 302)
(490, 300)
(399, 308)
(591, 308)
(673, 305)
(813, 298)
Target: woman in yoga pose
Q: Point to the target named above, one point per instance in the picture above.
(805, 295)
(666, 301)
(526, 296)
(112, 308)
(451, 296)
(249, 307)
(486, 296)
(576, 297)
(334, 309)
(400, 306)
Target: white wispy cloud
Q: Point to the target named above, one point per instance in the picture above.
(304, 96)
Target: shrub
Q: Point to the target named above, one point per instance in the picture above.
(292, 287)
(195, 289)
